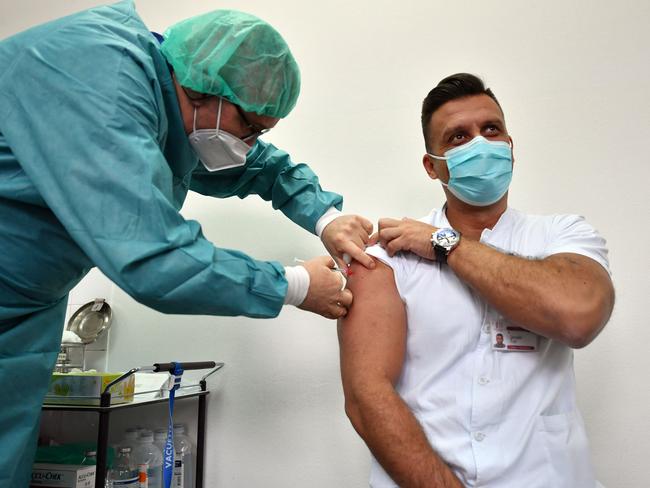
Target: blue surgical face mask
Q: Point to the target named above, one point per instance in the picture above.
(479, 171)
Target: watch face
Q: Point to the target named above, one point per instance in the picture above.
(446, 237)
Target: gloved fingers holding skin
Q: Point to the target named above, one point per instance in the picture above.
(348, 234)
(352, 252)
(326, 295)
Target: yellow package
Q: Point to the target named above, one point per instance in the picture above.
(86, 388)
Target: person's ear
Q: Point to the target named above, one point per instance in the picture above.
(512, 149)
(429, 167)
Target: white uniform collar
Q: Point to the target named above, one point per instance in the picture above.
(504, 224)
(438, 218)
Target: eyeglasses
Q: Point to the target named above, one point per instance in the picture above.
(257, 130)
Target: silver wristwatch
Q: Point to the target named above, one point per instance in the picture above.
(444, 241)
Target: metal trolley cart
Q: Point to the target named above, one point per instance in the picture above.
(105, 408)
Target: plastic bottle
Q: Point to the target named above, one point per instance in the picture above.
(90, 459)
(123, 474)
(159, 439)
(183, 459)
(148, 459)
(130, 438)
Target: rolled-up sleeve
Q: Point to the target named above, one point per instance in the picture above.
(573, 234)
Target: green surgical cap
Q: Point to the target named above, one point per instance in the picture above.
(236, 56)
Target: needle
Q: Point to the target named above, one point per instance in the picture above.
(335, 268)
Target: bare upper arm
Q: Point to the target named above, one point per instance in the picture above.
(372, 337)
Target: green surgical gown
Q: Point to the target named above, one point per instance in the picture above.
(94, 167)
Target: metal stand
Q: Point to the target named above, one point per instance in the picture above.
(200, 431)
(105, 408)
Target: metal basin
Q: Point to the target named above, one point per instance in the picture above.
(91, 320)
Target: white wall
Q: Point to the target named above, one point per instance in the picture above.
(573, 79)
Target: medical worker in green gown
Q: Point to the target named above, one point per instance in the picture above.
(104, 128)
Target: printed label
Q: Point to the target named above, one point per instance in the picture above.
(179, 474)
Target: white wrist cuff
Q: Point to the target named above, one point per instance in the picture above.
(326, 218)
(298, 280)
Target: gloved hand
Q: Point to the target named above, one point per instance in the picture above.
(327, 295)
(348, 234)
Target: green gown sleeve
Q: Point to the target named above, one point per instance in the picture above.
(270, 173)
(82, 113)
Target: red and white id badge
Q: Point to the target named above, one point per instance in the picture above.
(509, 337)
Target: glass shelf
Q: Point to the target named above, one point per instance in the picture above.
(107, 401)
(139, 398)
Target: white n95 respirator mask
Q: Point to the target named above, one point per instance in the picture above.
(217, 149)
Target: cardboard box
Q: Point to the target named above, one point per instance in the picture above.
(62, 476)
(86, 388)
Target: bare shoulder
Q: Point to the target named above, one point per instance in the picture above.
(364, 280)
(373, 290)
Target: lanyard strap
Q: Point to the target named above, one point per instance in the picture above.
(168, 454)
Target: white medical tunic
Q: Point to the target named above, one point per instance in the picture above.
(498, 418)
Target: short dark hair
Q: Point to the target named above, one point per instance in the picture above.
(452, 87)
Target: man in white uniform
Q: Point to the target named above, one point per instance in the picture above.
(435, 400)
